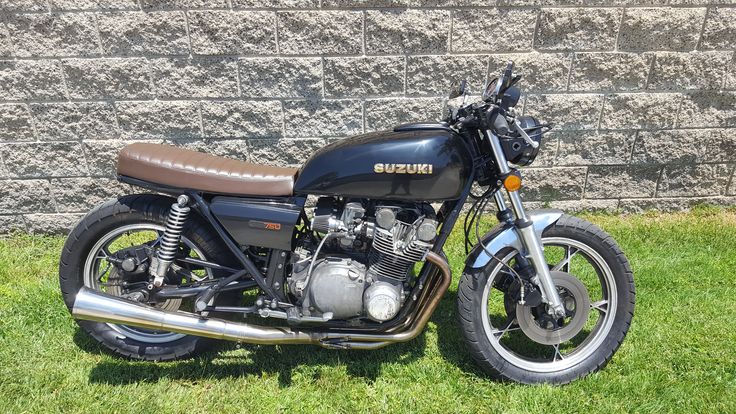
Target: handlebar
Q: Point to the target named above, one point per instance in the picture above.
(496, 111)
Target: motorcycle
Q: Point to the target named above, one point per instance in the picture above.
(346, 252)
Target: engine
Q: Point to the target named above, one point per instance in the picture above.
(363, 263)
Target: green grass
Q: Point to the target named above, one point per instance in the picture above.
(680, 354)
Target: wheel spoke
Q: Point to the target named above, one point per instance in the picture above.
(157, 241)
(103, 253)
(564, 264)
(601, 306)
(102, 274)
(188, 274)
(558, 354)
(499, 333)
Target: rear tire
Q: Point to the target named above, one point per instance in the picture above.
(473, 294)
(127, 210)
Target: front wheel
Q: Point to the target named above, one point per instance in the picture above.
(518, 342)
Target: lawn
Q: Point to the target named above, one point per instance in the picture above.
(680, 354)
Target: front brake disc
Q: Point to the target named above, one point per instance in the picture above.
(577, 305)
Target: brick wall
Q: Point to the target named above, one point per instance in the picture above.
(643, 92)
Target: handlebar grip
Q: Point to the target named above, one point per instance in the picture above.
(498, 123)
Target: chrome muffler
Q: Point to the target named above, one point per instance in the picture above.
(97, 306)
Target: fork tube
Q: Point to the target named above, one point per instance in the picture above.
(500, 202)
(503, 165)
(504, 169)
(529, 238)
(516, 205)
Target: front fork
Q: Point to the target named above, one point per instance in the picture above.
(531, 242)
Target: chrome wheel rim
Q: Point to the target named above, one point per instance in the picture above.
(93, 276)
(561, 357)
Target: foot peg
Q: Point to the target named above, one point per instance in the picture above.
(292, 316)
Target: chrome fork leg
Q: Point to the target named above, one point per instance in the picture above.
(529, 238)
(535, 250)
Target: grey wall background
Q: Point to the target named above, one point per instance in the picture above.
(643, 92)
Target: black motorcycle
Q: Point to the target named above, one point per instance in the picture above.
(544, 297)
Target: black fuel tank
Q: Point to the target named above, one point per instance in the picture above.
(422, 164)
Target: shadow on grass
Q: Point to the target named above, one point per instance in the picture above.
(284, 359)
(87, 344)
(259, 361)
(450, 339)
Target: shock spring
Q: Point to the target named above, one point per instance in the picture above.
(174, 228)
(169, 244)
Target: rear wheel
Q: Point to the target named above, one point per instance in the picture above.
(119, 224)
(514, 341)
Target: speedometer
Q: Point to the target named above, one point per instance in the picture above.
(493, 89)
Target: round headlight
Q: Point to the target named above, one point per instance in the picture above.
(516, 149)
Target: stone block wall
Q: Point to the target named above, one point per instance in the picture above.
(643, 92)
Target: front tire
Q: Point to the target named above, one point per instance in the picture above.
(504, 348)
(147, 212)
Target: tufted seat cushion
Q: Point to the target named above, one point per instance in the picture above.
(182, 168)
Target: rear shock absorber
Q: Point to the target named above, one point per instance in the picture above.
(169, 244)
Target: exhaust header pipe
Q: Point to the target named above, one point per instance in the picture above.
(97, 306)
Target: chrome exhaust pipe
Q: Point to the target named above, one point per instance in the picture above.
(97, 306)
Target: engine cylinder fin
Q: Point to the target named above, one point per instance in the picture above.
(395, 251)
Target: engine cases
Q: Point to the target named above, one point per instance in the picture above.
(409, 165)
(338, 289)
(336, 286)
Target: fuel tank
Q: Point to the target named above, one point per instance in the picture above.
(410, 163)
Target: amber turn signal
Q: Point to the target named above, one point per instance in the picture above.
(512, 183)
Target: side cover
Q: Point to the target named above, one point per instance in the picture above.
(257, 222)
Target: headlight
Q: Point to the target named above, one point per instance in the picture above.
(517, 150)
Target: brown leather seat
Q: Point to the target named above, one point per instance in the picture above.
(182, 168)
